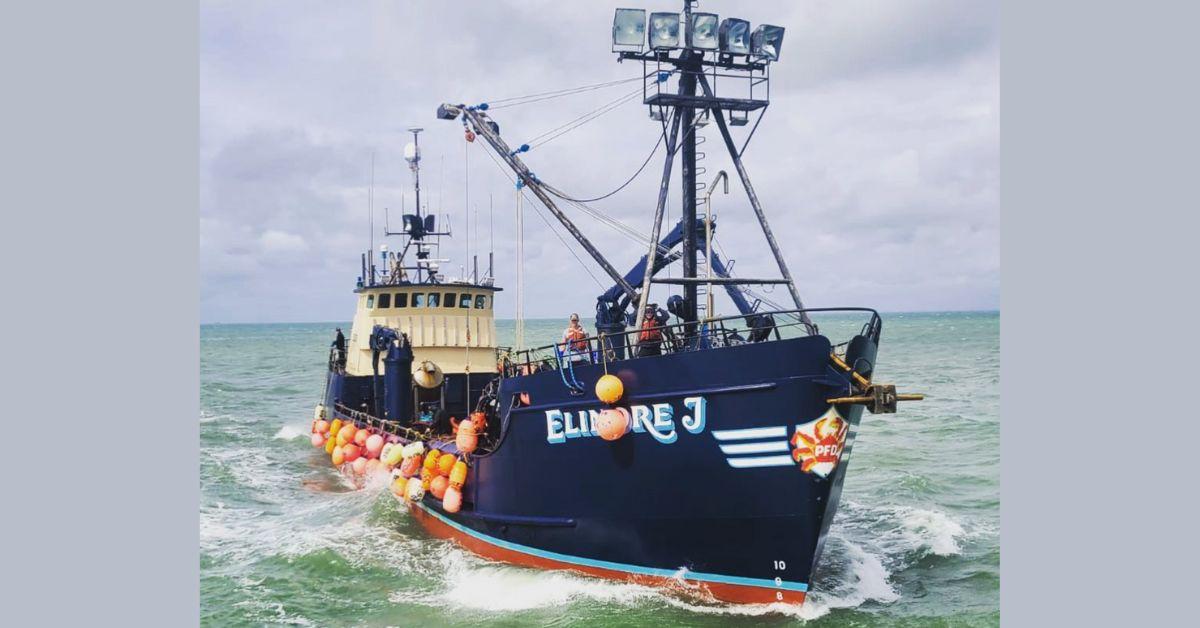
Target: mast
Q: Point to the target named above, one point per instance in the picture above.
(416, 166)
(687, 83)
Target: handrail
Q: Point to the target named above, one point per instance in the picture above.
(713, 334)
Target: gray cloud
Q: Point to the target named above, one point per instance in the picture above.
(877, 161)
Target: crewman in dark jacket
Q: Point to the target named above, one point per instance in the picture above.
(339, 344)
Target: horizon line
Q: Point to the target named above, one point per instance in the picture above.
(550, 318)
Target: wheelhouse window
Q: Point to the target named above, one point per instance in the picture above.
(434, 299)
(464, 301)
(481, 302)
(385, 301)
(401, 299)
(449, 300)
(418, 299)
(370, 301)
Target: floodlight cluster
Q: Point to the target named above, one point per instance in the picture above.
(705, 32)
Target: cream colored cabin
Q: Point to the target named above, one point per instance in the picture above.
(451, 324)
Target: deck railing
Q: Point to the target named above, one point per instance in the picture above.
(715, 333)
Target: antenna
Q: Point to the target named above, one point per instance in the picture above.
(371, 217)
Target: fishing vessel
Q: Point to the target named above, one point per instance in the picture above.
(674, 446)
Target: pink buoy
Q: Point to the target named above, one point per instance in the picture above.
(317, 440)
(466, 440)
(374, 445)
(612, 423)
(438, 486)
(374, 465)
(452, 502)
(351, 452)
(359, 465)
(321, 427)
(361, 436)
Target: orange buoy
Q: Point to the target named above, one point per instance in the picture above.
(609, 388)
(410, 466)
(452, 502)
(346, 434)
(438, 486)
(479, 419)
(445, 464)
(414, 490)
(458, 475)
(466, 440)
(431, 459)
(337, 457)
(427, 476)
(361, 436)
(612, 424)
(330, 444)
(351, 452)
(321, 427)
(359, 465)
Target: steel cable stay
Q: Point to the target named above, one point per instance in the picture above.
(571, 125)
(507, 175)
(514, 101)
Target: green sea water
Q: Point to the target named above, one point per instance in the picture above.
(285, 540)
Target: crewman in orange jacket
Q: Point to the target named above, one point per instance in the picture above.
(575, 338)
(651, 335)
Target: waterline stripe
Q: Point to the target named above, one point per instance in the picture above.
(753, 432)
(604, 564)
(755, 448)
(761, 461)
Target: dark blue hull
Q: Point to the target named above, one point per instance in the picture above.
(691, 499)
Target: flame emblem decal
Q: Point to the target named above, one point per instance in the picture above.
(817, 445)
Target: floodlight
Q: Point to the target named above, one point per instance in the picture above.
(704, 31)
(734, 36)
(766, 41)
(629, 27)
(664, 30)
(412, 153)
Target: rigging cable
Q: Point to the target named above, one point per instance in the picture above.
(570, 250)
(577, 122)
(532, 98)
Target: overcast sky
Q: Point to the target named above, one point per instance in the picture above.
(876, 163)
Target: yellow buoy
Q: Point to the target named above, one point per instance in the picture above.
(458, 475)
(609, 389)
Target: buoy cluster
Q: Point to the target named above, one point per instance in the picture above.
(614, 421)
(415, 468)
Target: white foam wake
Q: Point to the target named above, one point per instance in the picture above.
(930, 531)
(291, 432)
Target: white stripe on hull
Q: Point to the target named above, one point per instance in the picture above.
(753, 432)
(760, 461)
(755, 448)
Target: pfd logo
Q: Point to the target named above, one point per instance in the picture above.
(817, 445)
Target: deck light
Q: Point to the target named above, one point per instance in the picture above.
(664, 31)
(704, 31)
(734, 36)
(629, 27)
(766, 41)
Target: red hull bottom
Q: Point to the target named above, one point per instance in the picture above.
(739, 594)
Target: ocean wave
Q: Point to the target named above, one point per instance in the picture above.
(291, 432)
(930, 531)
